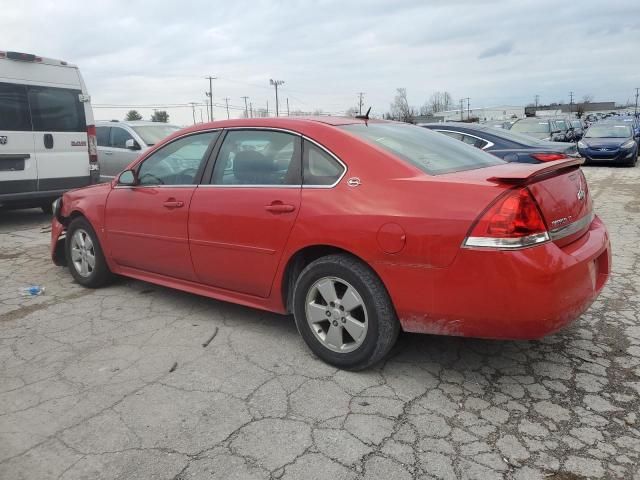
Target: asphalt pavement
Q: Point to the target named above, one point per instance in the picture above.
(136, 381)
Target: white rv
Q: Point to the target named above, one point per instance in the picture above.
(47, 132)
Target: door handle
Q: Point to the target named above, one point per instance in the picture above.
(279, 208)
(107, 153)
(48, 141)
(172, 203)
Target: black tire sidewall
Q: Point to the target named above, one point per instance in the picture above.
(101, 272)
(311, 274)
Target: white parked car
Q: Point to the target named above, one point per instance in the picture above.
(47, 132)
(120, 143)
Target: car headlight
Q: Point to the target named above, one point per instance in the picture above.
(628, 145)
(581, 144)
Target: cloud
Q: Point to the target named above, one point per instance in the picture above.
(149, 52)
(501, 48)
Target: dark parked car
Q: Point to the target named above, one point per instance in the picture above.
(541, 128)
(610, 141)
(578, 128)
(566, 129)
(506, 144)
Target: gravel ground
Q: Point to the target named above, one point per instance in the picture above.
(118, 383)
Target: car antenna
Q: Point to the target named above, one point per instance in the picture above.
(365, 116)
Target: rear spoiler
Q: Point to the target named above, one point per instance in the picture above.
(519, 173)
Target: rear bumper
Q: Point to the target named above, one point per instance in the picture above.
(523, 294)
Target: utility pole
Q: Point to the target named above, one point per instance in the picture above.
(537, 100)
(276, 83)
(251, 109)
(636, 110)
(193, 111)
(226, 100)
(570, 102)
(210, 95)
(360, 102)
(287, 106)
(468, 109)
(246, 111)
(201, 119)
(267, 108)
(461, 109)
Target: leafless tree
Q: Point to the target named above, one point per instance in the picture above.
(400, 109)
(439, 102)
(587, 98)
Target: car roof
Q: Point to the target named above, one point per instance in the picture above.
(132, 123)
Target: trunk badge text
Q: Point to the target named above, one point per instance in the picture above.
(353, 182)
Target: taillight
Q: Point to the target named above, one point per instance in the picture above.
(548, 157)
(513, 221)
(92, 144)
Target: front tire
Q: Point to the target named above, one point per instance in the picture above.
(344, 313)
(84, 255)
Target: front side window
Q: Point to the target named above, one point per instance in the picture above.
(119, 137)
(318, 167)
(258, 157)
(56, 110)
(449, 133)
(14, 108)
(429, 151)
(473, 141)
(177, 163)
(102, 136)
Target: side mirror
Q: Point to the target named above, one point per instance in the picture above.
(131, 144)
(127, 178)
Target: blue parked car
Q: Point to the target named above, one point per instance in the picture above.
(506, 144)
(611, 141)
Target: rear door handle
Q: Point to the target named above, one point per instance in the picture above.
(279, 208)
(172, 203)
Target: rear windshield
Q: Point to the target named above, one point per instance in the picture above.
(608, 131)
(431, 152)
(535, 126)
(152, 134)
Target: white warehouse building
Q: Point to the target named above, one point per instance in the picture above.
(501, 112)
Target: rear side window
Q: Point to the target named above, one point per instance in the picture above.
(449, 133)
(429, 151)
(102, 134)
(14, 108)
(476, 142)
(119, 137)
(319, 168)
(56, 110)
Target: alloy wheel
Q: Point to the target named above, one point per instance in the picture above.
(336, 314)
(83, 254)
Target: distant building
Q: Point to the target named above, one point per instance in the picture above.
(484, 114)
(568, 108)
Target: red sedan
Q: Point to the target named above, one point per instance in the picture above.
(359, 228)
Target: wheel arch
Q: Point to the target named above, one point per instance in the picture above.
(303, 257)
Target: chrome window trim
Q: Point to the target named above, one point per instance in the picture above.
(292, 132)
(489, 144)
(570, 229)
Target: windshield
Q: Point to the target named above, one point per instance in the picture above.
(608, 131)
(531, 127)
(561, 125)
(431, 152)
(152, 134)
(576, 124)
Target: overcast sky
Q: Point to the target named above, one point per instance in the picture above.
(499, 52)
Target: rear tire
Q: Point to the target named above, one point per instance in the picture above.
(344, 313)
(84, 255)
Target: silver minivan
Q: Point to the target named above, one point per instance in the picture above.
(120, 143)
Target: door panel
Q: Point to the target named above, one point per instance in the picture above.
(146, 234)
(237, 235)
(146, 225)
(18, 167)
(60, 133)
(239, 226)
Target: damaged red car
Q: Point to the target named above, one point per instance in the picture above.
(360, 228)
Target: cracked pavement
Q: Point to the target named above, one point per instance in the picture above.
(86, 389)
